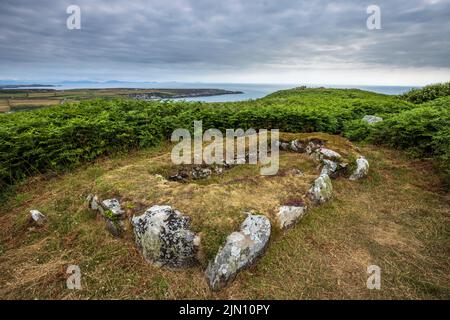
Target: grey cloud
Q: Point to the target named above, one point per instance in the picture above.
(212, 35)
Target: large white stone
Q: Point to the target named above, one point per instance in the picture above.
(241, 249)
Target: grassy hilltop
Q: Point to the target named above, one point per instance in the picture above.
(397, 217)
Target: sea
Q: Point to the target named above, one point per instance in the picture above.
(250, 91)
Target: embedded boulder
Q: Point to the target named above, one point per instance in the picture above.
(362, 169)
(328, 154)
(201, 173)
(371, 119)
(282, 145)
(241, 250)
(313, 145)
(287, 216)
(164, 237)
(93, 202)
(113, 206)
(321, 190)
(329, 167)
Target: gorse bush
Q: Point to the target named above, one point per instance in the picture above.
(428, 93)
(62, 137)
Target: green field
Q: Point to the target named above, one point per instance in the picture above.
(26, 99)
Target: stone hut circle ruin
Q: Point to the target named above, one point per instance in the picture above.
(221, 217)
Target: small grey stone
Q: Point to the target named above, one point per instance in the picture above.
(113, 205)
(180, 176)
(114, 227)
(284, 146)
(329, 167)
(287, 216)
(297, 172)
(313, 145)
(218, 170)
(328, 154)
(93, 202)
(297, 146)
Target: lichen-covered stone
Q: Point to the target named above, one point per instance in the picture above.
(111, 211)
(362, 169)
(287, 216)
(93, 202)
(329, 167)
(297, 146)
(201, 173)
(38, 217)
(324, 153)
(371, 119)
(164, 237)
(113, 206)
(240, 251)
(284, 146)
(313, 145)
(321, 190)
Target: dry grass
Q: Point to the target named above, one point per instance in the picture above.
(32, 102)
(4, 105)
(397, 218)
(4, 109)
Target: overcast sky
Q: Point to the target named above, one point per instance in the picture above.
(261, 41)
